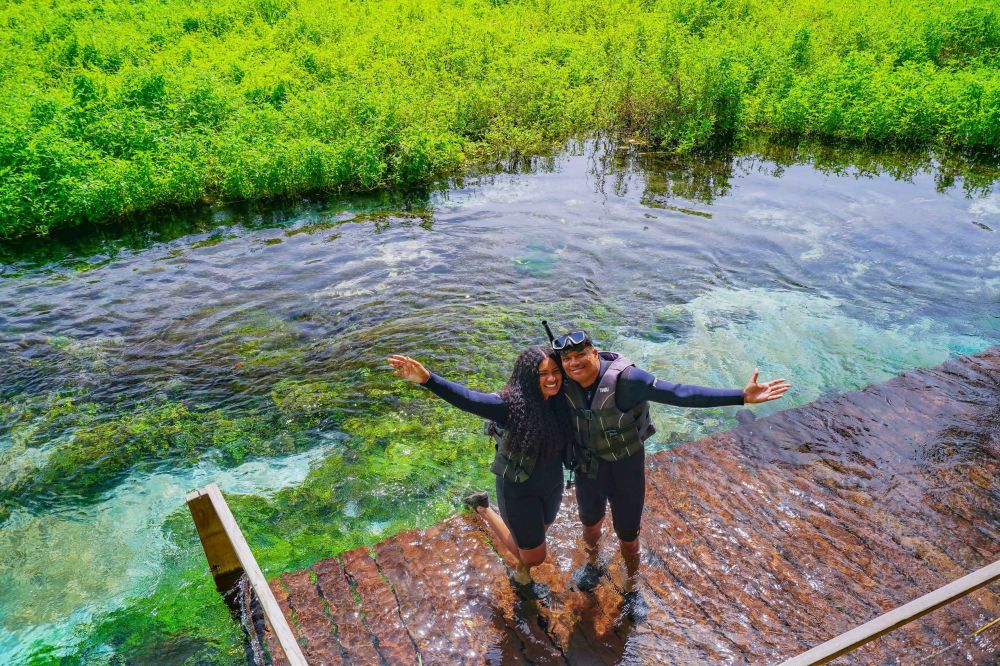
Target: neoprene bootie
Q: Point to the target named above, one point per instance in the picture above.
(588, 576)
(477, 499)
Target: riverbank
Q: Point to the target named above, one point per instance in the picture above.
(112, 109)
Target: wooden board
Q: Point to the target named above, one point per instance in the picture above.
(227, 551)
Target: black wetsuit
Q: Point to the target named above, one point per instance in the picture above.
(622, 483)
(525, 507)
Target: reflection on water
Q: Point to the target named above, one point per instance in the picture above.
(137, 362)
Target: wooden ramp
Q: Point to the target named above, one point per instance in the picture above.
(758, 544)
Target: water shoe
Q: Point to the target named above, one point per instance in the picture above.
(476, 500)
(588, 576)
(530, 591)
(634, 606)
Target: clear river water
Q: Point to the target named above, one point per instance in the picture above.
(245, 344)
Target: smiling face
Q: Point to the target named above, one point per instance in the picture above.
(582, 366)
(549, 378)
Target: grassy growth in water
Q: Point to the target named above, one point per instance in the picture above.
(114, 107)
(397, 458)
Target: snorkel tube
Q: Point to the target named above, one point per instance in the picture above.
(548, 331)
(552, 338)
(568, 459)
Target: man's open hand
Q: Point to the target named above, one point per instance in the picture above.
(764, 392)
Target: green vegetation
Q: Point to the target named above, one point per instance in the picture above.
(112, 107)
(398, 459)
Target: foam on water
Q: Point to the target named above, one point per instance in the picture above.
(64, 567)
(808, 339)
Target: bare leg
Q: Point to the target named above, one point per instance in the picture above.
(630, 553)
(587, 577)
(499, 529)
(635, 607)
(525, 557)
(591, 536)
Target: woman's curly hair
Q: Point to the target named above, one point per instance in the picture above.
(536, 426)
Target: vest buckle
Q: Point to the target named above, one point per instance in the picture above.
(586, 414)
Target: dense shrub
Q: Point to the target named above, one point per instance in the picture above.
(116, 107)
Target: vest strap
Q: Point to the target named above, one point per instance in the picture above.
(603, 431)
(512, 467)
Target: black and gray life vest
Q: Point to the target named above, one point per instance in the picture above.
(602, 430)
(514, 467)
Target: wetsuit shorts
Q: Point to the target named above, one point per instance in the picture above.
(622, 483)
(528, 507)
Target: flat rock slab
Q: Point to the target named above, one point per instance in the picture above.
(758, 543)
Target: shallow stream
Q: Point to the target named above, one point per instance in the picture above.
(244, 345)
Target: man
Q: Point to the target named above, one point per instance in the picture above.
(610, 397)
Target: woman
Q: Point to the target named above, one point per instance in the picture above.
(531, 424)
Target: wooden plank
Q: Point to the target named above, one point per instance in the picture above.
(222, 558)
(223, 539)
(896, 618)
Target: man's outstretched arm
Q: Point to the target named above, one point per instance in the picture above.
(756, 391)
(636, 385)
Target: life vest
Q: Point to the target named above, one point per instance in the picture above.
(514, 467)
(602, 430)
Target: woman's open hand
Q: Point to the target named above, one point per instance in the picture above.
(409, 369)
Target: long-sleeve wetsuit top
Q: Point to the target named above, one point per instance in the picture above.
(636, 385)
(487, 405)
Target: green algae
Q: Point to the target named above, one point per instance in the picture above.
(387, 474)
(393, 471)
(184, 621)
(398, 458)
(261, 340)
(212, 240)
(71, 568)
(60, 440)
(308, 401)
(102, 447)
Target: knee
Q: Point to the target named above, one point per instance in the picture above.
(594, 528)
(629, 540)
(533, 556)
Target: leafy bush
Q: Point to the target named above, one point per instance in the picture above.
(116, 108)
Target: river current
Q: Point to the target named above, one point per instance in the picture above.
(125, 353)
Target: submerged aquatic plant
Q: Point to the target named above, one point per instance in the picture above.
(392, 457)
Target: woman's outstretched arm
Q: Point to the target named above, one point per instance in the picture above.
(486, 405)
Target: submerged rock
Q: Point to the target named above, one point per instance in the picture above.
(758, 544)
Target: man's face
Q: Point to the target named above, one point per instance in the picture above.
(582, 366)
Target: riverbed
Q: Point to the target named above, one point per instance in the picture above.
(244, 344)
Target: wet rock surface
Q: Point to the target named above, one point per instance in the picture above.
(758, 544)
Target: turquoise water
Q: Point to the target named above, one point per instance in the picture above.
(244, 345)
